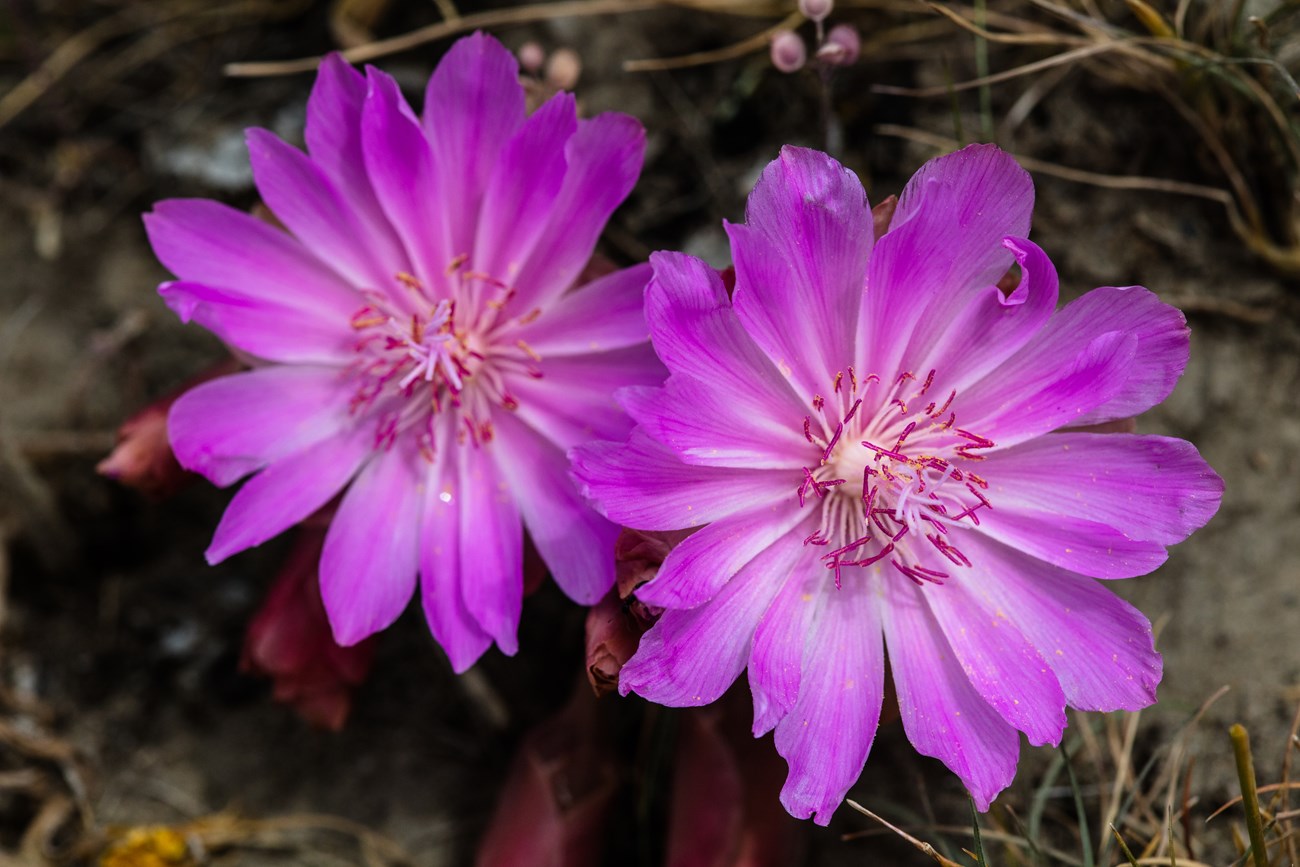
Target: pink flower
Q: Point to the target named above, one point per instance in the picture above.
(289, 640)
(881, 449)
(426, 353)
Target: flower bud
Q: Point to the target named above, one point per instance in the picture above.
(788, 51)
(531, 57)
(816, 10)
(843, 46)
(564, 69)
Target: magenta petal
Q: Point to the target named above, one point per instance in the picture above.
(288, 491)
(779, 646)
(1100, 648)
(400, 165)
(369, 563)
(607, 313)
(690, 657)
(704, 562)
(574, 399)
(472, 107)
(964, 344)
(227, 428)
(303, 198)
(826, 736)
(1071, 543)
(576, 543)
(604, 159)
(697, 334)
(213, 244)
(943, 715)
(801, 263)
(1033, 394)
(1162, 344)
(1002, 665)
(441, 582)
(523, 186)
(944, 242)
(1146, 487)
(491, 548)
(641, 484)
(264, 328)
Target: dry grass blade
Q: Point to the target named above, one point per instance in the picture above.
(1057, 39)
(919, 844)
(999, 77)
(1272, 787)
(757, 42)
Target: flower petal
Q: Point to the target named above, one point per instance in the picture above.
(1002, 665)
(944, 242)
(604, 159)
(368, 566)
(522, 188)
(441, 576)
(827, 735)
(776, 660)
(1162, 344)
(1100, 648)
(690, 657)
(643, 485)
(801, 262)
(1146, 487)
(704, 562)
(302, 197)
(206, 242)
(267, 329)
(607, 313)
(227, 428)
(576, 543)
(472, 107)
(1073, 543)
(943, 715)
(491, 548)
(401, 168)
(288, 491)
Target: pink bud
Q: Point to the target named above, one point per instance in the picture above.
(531, 57)
(563, 69)
(816, 10)
(788, 51)
(843, 46)
(289, 640)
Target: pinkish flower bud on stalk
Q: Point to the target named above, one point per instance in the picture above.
(842, 47)
(531, 57)
(816, 10)
(563, 69)
(788, 51)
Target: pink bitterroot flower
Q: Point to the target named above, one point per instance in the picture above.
(881, 449)
(425, 350)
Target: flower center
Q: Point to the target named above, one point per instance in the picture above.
(890, 478)
(422, 358)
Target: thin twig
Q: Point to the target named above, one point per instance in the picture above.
(757, 42)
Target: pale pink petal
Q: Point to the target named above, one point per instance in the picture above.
(368, 566)
(826, 736)
(441, 583)
(304, 199)
(522, 189)
(607, 313)
(801, 263)
(700, 566)
(604, 159)
(472, 107)
(266, 329)
(576, 543)
(288, 491)
(400, 165)
(1146, 487)
(776, 661)
(643, 485)
(943, 715)
(1100, 648)
(944, 242)
(227, 428)
(206, 242)
(690, 657)
(491, 547)
(1002, 665)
